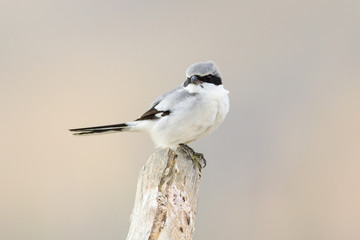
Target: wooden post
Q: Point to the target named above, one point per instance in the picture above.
(166, 197)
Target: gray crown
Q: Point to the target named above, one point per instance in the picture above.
(203, 69)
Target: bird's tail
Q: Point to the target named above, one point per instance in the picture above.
(101, 129)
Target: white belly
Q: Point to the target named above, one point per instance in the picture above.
(188, 124)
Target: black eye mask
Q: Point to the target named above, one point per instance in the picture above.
(208, 78)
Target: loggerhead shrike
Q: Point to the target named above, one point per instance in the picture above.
(182, 115)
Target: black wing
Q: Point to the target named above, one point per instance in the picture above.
(153, 114)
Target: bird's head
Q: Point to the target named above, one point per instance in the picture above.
(203, 72)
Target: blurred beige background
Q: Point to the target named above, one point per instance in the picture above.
(284, 165)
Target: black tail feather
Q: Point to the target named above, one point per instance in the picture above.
(99, 129)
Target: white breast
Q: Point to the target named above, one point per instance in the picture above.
(193, 117)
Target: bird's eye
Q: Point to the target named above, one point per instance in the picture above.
(208, 77)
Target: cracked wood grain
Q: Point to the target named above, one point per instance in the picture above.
(166, 197)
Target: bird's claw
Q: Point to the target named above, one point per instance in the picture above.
(201, 157)
(197, 158)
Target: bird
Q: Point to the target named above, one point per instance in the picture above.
(182, 115)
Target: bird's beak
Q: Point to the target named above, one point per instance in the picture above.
(195, 80)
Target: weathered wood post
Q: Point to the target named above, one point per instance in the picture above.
(166, 197)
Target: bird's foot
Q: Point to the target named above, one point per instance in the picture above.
(197, 158)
